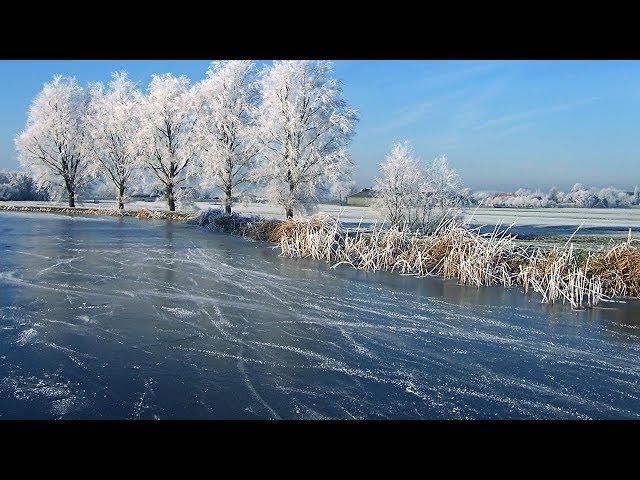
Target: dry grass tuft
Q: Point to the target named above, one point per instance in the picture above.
(558, 275)
(265, 231)
(619, 268)
(455, 251)
(143, 213)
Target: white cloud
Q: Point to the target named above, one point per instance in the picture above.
(535, 112)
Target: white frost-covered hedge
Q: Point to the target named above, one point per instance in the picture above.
(16, 186)
(579, 196)
(216, 220)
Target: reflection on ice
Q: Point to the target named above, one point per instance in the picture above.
(127, 319)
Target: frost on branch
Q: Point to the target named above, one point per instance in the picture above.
(398, 185)
(443, 182)
(114, 129)
(408, 193)
(168, 117)
(226, 101)
(341, 189)
(304, 126)
(54, 144)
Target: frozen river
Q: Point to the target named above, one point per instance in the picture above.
(122, 318)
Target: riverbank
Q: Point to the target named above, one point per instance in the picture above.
(455, 250)
(88, 211)
(529, 223)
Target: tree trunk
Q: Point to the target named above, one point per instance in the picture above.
(227, 200)
(70, 192)
(121, 197)
(72, 196)
(289, 209)
(171, 199)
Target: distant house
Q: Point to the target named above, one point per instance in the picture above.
(363, 198)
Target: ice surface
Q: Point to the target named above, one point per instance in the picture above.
(121, 318)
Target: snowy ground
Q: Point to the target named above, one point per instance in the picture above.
(537, 222)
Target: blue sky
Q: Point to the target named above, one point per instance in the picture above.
(502, 124)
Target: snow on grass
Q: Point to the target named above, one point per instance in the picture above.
(621, 218)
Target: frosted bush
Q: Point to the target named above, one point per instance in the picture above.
(410, 193)
(579, 196)
(216, 220)
(16, 186)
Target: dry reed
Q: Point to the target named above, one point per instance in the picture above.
(455, 251)
(452, 250)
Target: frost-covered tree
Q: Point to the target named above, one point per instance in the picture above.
(53, 146)
(556, 196)
(20, 186)
(425, 208)
(168, 118)
(114, 127)
(611, 197)
(226, 101)
(412, 193)
(636, 195)
(341, 189)
(444, 181)
(580, 196)
(304, 127)
(624, 199)
(607, 197)
(398, 185)
(465, 196)
(583, 197)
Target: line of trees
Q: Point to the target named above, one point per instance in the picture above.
(579, 196)
(285, 129)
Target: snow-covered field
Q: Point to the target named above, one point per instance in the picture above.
(543, 217)
(606, 220)
(593, 217)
